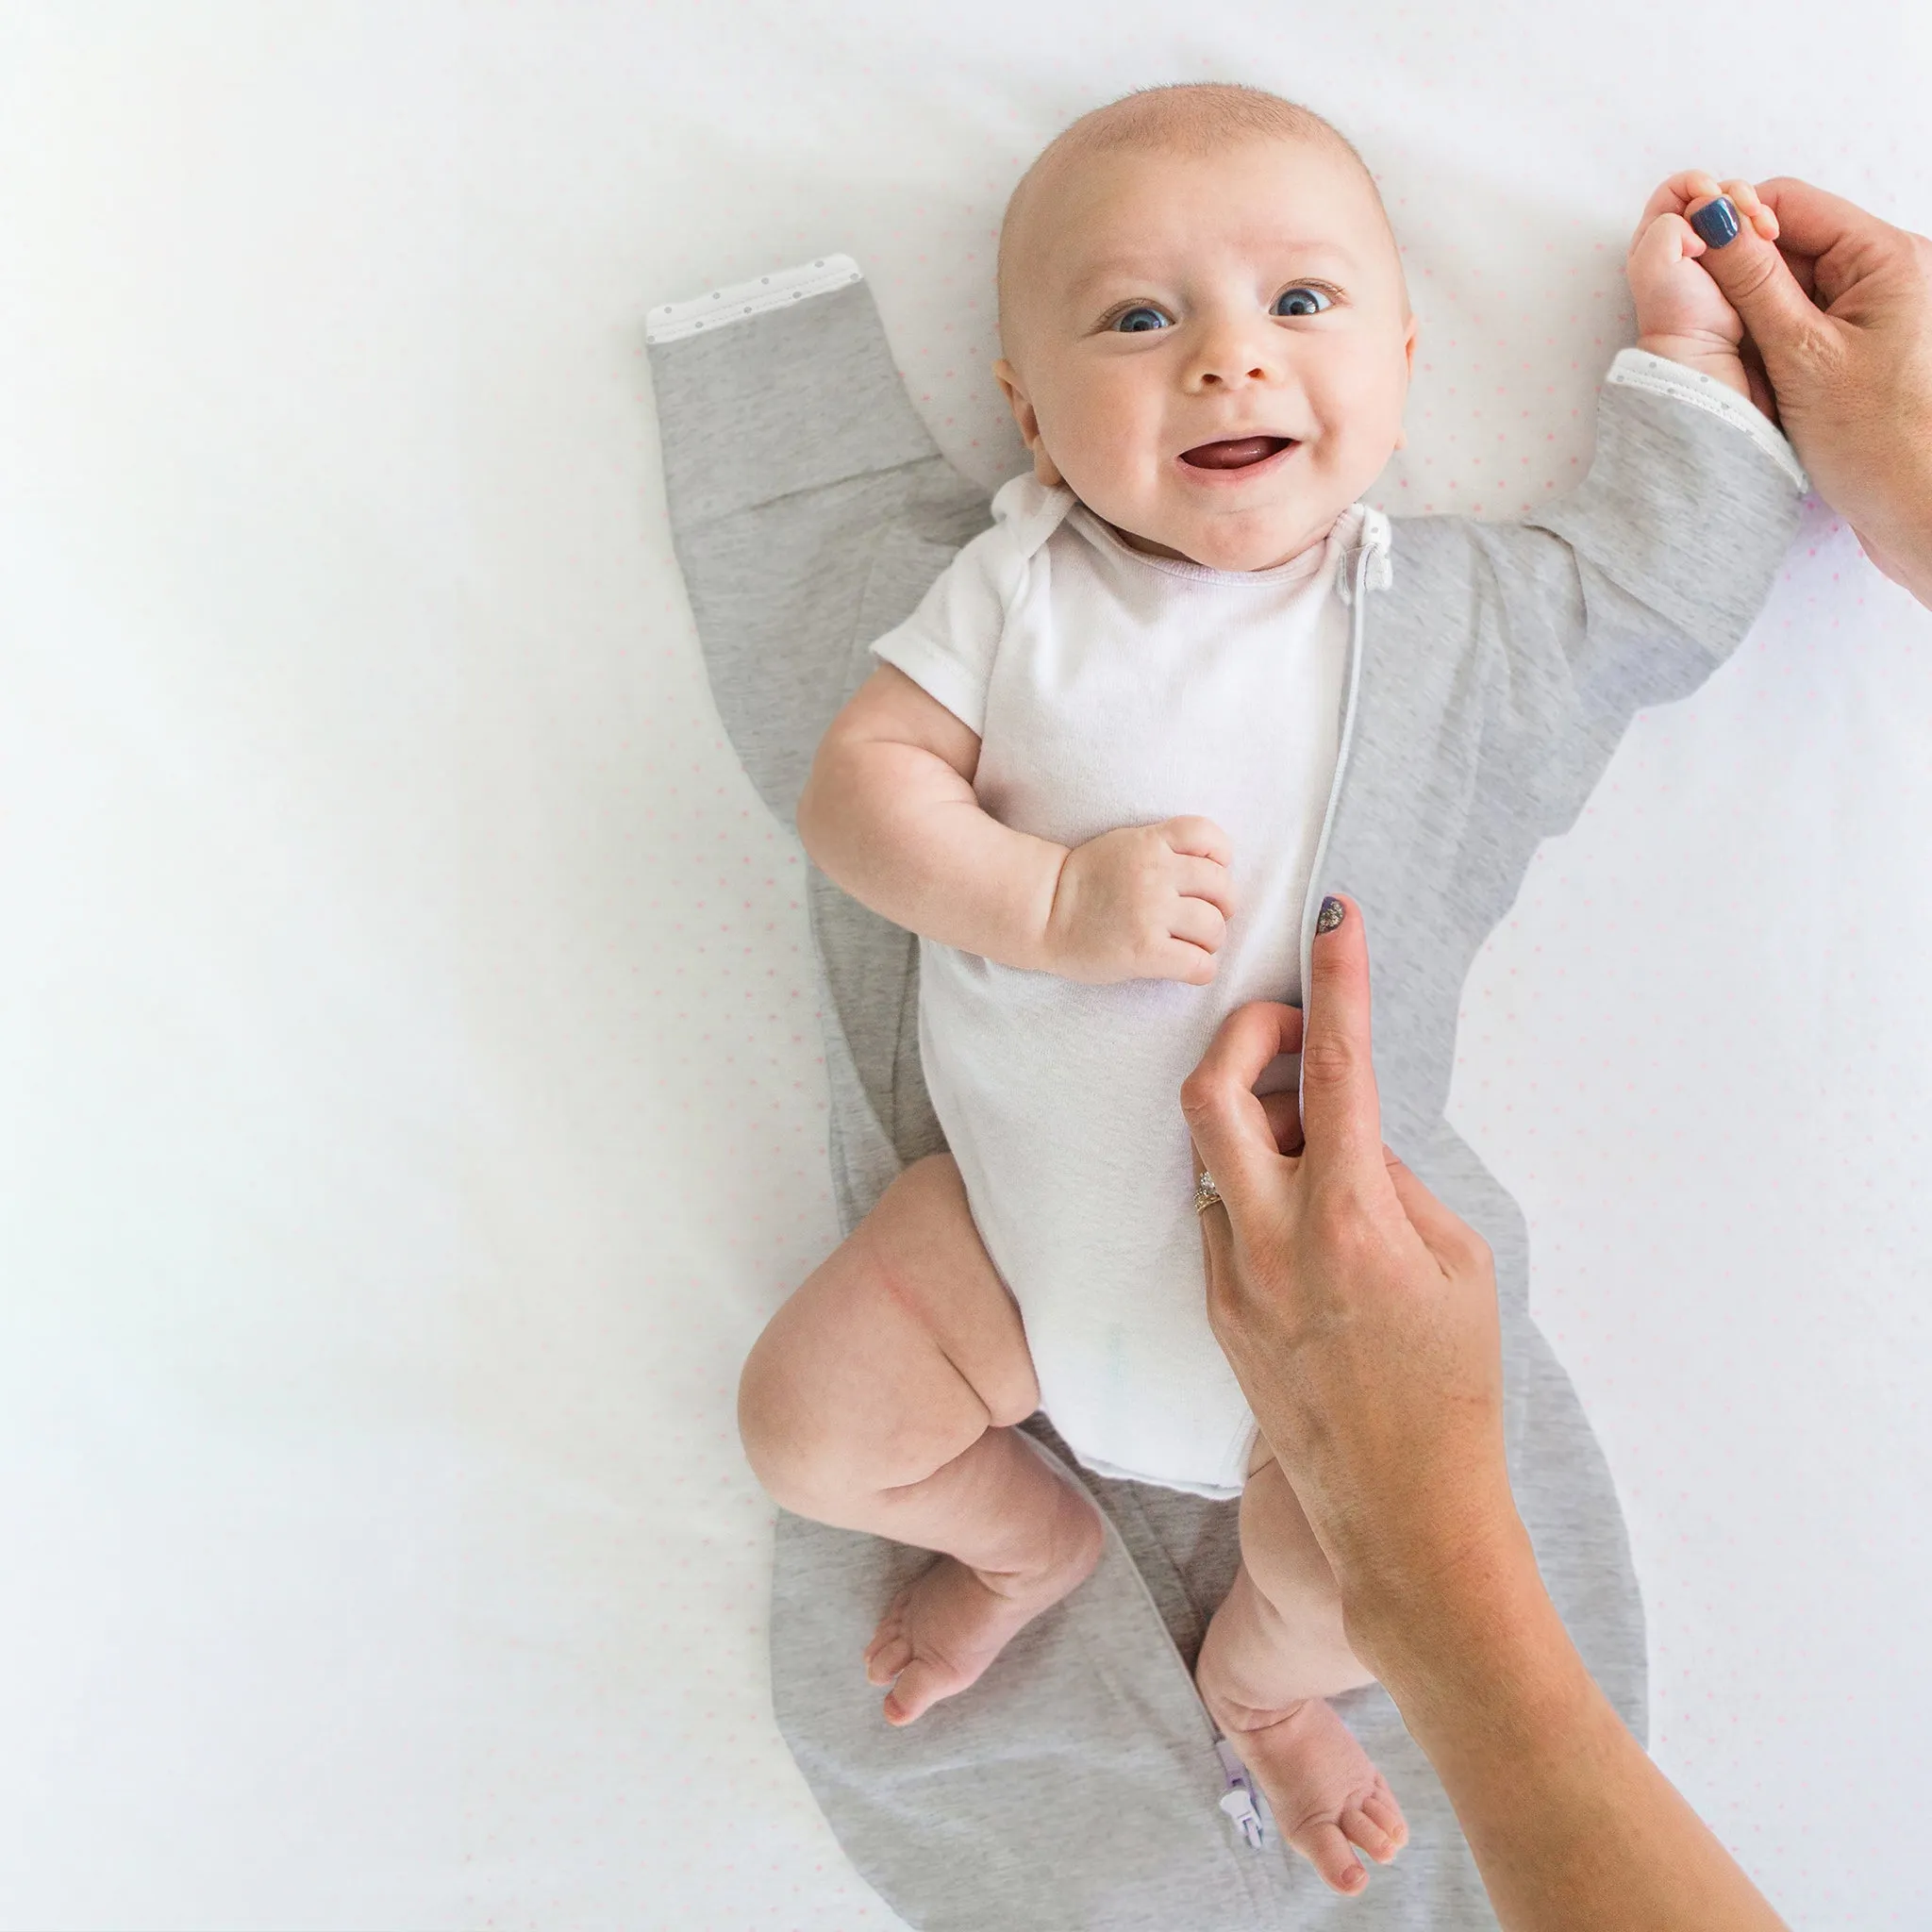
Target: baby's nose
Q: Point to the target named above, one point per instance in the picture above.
(1230, 359)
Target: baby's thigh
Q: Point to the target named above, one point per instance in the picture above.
(1278, 1547)
(896, 1355)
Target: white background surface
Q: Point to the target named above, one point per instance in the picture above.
(410, 1106)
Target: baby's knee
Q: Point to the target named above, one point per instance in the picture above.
(826, 1431)
(785, 1432)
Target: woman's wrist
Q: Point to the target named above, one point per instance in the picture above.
(1491, 1685)
(1431, 1628)
(1571, 1824)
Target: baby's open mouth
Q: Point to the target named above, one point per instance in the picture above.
(1236, 452)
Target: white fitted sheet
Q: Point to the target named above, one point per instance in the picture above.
(409, 1084)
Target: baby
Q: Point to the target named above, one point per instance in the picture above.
(1098, 772)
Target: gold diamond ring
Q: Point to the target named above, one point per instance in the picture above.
(1205, 1193)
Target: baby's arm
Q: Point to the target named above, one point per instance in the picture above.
(1681, 313)
(890, 814)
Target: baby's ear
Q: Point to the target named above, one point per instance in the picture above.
(1408, 363)
(1028, 417)
(1009, 380)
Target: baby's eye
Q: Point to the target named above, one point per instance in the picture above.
(1300, 302)
(1133, 322)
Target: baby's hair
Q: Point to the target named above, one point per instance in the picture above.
(1192, 117)
(1196, 117)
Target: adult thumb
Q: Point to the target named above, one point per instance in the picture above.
(1757, 280)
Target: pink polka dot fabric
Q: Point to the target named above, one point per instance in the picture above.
(413, 1101)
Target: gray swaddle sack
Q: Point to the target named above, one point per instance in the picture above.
(1076, 1786)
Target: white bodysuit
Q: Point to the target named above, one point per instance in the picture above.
(1108, 689)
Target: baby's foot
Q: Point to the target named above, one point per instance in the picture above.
(1325, 1792)
(940, 1633)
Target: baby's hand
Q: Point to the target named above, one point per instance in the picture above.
(1681, 312)
(1146, 902)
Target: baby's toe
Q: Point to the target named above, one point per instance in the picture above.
(889, 1655)
(1380, 1808)
(890, 1646)
(1323, 1847)
(920, 1687)
(1360, 1830)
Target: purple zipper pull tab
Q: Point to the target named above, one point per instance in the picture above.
(1238, 1801)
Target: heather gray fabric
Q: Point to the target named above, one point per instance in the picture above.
(1076, 1786)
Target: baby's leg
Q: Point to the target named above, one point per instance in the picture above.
(1275, 1651)
(881, 1398)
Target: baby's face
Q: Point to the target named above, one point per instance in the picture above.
(1211, 352)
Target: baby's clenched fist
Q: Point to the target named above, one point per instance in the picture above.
(1681, 312)
(1146, 902)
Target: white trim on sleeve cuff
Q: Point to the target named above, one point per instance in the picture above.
(671, 321)
(1660, 376)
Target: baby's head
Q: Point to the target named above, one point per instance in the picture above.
(1207, 337)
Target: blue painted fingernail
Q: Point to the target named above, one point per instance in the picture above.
(1717, 223)
(1333, 912)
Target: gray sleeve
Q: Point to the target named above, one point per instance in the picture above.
(1627, 594)
(810, 511)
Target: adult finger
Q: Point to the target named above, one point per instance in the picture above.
(1812, 223)
(1444, 1233)
(1217, 1235)
(1790, 332)
(1284, 1113)
(1341, 1113)
(1230, 1124)
(1846, 247)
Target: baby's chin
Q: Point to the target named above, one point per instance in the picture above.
(1262, 539)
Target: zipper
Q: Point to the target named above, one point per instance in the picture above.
(1238, 1800)
(1373, 571)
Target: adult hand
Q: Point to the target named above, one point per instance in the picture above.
(1358, 1313)
(1360, 1317)
(1841, 311)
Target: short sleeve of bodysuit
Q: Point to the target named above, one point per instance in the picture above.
(948, 645)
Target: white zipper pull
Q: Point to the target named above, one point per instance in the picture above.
(1238, 1801)
(1368, 567)
(1378, 542)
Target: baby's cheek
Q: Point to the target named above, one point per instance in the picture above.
(1356, 459)
(1361, 410)
(1123, 470)
(1132, 443)
(1090, 438)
